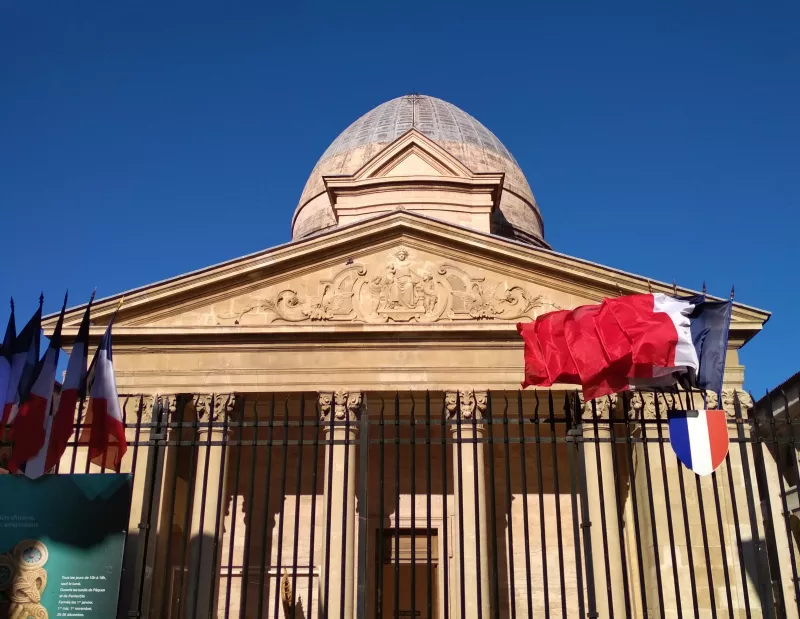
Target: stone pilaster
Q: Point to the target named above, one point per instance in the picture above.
(212, 412)
(599, 463)
(466, 407)
(339, 414)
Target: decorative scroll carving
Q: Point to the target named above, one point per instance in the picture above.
(404, 290)
(466, 404)
(213, 408)
(342, 404)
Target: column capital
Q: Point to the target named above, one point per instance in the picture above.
(600, 408)
(643, 405)
(728, 399)
(466, 403)
(212, 408)
(340, 405)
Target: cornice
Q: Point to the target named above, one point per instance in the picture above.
(549, 267)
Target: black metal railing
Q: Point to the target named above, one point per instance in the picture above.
(516, 504)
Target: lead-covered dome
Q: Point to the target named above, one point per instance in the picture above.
(451, 128)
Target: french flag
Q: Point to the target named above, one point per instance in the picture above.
(634, 341)
(6, 351)
(104, 429)
(699, 439)
(74, 388)
(24, 360)
(30, 424)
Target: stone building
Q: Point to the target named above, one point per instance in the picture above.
(417, 245)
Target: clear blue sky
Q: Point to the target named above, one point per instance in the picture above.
(142, 140)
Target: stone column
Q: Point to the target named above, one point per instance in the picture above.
(339, 407)
(467, 407)
(597, 431)
(207, 511)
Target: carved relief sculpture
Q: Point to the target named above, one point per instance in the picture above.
(405, 290)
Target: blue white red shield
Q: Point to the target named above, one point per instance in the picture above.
(699, 439)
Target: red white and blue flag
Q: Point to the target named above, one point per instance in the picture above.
(24, 360)
(699, 439)
(31, 421)
(6, 351)
(74, 388)
(104, 429)
(634, 341)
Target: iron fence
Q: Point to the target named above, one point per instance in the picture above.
(507, 504)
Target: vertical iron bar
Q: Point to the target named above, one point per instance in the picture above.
(557, 495)
(509, 514)
(701, 507)
(267, 478)
(179, 409)
(363, 512)
(412, 457)
(476, 488)
(687, 530)
(751, 508)
(78, 427)
(445, 524)
(347, 465)
(620, 518)
(725, 572)
(203, 498)
(328, 506)
(603, 524)
(313, 522)
(784, 503)
(429, 595)
(632, 477)
(575, 448)
(766, 511)
(709, 573)
(665, 481)
(396, 504)
(220, 509)
(282, 511)
(248, 536)
(525, 517)
(460, 477)
(493, 538)
(739, 546)
(236, 472)
(381, 511)
(194, 447)
(651, 505)
(299, 488)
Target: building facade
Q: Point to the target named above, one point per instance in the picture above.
(333, 428)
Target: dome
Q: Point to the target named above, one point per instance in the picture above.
(451, 128)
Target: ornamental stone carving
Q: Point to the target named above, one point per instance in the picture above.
(341, 405)
(400, 290)
(728, 399)
(466, 404)
(600, 408)
(643, 405)
(213, 408)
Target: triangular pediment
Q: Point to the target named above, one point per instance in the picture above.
(412, 154)
(397, 271)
